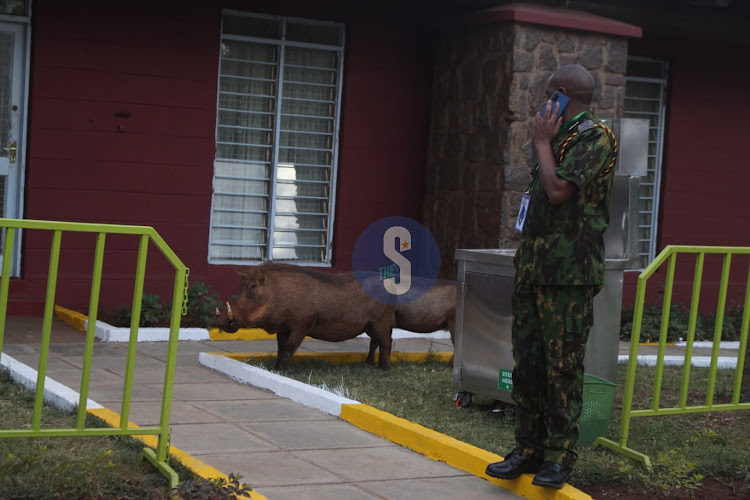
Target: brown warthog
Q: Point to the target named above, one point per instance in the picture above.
(294, 302)
(435, 310)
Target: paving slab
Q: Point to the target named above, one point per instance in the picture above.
(264, 410)
(145, 413)
(219, 438)
(272, 469)
(228, 390)
(322, 492)
(72, 378)
(311, 435)
(464, 488)
(113, 393)
(393, 462)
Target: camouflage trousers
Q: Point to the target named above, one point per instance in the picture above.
(551, 325)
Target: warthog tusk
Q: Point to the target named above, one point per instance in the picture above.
(217, 311)
(229, 312)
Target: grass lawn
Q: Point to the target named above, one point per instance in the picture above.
(710, 444)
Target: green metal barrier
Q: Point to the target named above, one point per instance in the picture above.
(669, 255)
(159, 457)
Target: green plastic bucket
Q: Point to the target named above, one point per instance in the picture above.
(598, 399)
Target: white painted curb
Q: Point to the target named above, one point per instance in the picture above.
(707, 343)
(54, 392)
(285, 387)
(699, 361)
(109, 333)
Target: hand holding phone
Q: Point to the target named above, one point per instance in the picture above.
(558, 97)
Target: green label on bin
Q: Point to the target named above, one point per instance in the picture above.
(505, 380)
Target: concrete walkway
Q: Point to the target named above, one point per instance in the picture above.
(282, 449)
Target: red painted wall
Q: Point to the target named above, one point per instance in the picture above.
(706, 169)
(122, 123)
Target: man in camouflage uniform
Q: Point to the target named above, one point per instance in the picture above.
(559, 269)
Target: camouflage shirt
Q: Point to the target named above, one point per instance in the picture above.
(564, 244)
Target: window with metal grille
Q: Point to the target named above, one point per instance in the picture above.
(276, 139)
(645, 98)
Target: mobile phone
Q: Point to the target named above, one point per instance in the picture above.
(557, 96)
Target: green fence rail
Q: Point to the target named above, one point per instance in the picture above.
(159, 457)
(669, 256)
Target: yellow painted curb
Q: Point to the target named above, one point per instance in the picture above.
(199, 467)
(73, 318)
(340, 358)
(449, 450)
(76, 320)
(241, 334)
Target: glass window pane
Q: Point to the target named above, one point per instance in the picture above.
(297, 123)
(301, 254)
(239, 253)
(313, 33)
(244, 119)
(244, 136)
(299, 237)
(307, 75)
(6, 67)
(241, 170)
(312, 92)
(251, 26)
(301, 189)
(305, 157)
(239, 152)
(302, 205)
(13, 7)
(301, 221)
(235, 186)
(239, 219)
(314, 58)
(291, 172)
(247, 203)
(307, 108)
(297, 140)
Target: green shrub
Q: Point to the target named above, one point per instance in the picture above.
(202, 302)
(679, 320)
(211, 489)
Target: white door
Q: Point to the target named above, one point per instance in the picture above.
(12, 102)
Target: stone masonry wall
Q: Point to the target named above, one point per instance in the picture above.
(489, 82)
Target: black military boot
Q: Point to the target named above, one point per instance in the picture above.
(552, 475)
(513, 466)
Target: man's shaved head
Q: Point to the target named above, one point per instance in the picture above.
(577, 82)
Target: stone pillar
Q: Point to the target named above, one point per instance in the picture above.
(489, 82)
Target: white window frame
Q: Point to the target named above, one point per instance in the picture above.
(282, 43)
(652, 229)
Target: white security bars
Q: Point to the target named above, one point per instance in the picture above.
(645, 98)
(276, 139)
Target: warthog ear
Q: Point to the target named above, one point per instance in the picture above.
(260, 276)
(242, 273)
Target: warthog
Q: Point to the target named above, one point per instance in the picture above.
(435, 310)
(294, 302)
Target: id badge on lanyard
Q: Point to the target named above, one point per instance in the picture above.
(522, 211)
